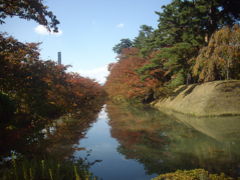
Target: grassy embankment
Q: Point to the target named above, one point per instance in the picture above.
(215, 98)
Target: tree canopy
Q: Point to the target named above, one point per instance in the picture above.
(124, 43)
(36, 87)
(29, 10)
(144, 34)
(221, 58)
(36, 84)
(195, 41)
(124, 82)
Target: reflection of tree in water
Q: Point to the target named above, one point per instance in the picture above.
(20, 134)
(163, 144)
(63, 137)
(55, 140)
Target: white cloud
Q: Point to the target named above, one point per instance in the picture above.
(99, 73)
(121, 25)
(42, 30)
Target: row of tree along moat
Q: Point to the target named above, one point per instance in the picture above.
(46, 111)
(194, 42)
(33, 93)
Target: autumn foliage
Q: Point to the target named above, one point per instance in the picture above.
(41, 88)
(124, 81)
(220, 59)
(194, 42)
(158, 73)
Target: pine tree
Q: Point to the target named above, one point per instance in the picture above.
(125, 43)
(185, 27)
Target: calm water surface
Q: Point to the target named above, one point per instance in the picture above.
(134, 143)
(139, 143)
(102, 146)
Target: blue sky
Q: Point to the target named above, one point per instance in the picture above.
(88, 31)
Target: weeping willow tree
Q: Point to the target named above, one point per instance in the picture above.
(220, 60)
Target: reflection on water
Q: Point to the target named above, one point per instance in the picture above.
(133, 143)
(103, 147)
(164, 143)
(57, 140)
(224, 129)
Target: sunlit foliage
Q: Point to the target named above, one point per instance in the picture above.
(196, 174)
(220, 60)
(33, 92)
(124, 81)
(174, 52)
(41, 87)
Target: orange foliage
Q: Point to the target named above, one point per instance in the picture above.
(124, 81)
(42, 87)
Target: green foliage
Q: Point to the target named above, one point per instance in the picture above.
(144, 35)
(125, 43)
(45, 169)
(177, 62)
(171, 49)
(194, 21)
(179, 79)
(171, 65)
(196, 174)
(179, 22)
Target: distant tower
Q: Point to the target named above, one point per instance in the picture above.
(59, 58)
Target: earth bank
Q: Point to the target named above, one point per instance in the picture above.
(215, 98)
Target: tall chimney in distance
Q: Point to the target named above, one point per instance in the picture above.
(59, 58)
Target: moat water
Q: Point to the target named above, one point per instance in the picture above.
(138, 143)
